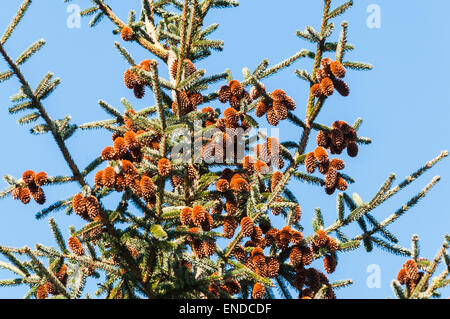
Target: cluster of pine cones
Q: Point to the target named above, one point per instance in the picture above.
(329, 78)
(87, 207)
(126, 156)
(217, 147)
(307, 281)
(198, 219)
(189, 100)
(277, 108)
(223, 146)
(48, 288)
(126, 160)
(327, 244)
(341, 136)
(319, 158)
(136, 83)
(233, 93)
(61, 273)
(31, 187)
(268, 153)
(233, 185)
(228, 285)
(234, 181)
(410, 276)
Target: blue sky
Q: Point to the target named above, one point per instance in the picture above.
(404, 102)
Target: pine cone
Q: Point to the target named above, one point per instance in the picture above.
(247, 226)
(352, 149)
(276, 178)
(329, 264)
(127, 34)
(258, 291)
(341, 87)
(186, 216)
(316, 90)
(337, 69)
(261, 108)
(109, 177)
(41, 179)
(327, 87)
(280, 110)
(272, 267)
(75, 246)
(272, 117)
(321, 155)
(229, 226)
(310, 163)
(295, 256)
(198, 215)
(164, 167)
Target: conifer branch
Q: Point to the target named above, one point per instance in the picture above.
(158, 50)
(172, 250)
(430, 271)
(76, 172)
(182, 49)
(22, 9)
(48, 274)
(37, 104)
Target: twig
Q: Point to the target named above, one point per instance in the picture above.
(156, 49)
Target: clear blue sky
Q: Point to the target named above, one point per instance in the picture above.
(404, 102)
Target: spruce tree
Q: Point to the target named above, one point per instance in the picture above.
(200, 188)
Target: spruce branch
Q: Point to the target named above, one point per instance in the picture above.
(183, 46)
(28, 53)
(18, 17)
(283, 64)
(48, 274)
(437, 282)
(58, 236)
(342, 283)
(96, 19)
(127, 56)
(340, 50)
(398, 289)
(4, 76)
(84, 260)
(429, 272)
(359, 66)
(415, 247)
(407, 206)
(16, 266)
(394, 249)
(340, 10)
(37, 104)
